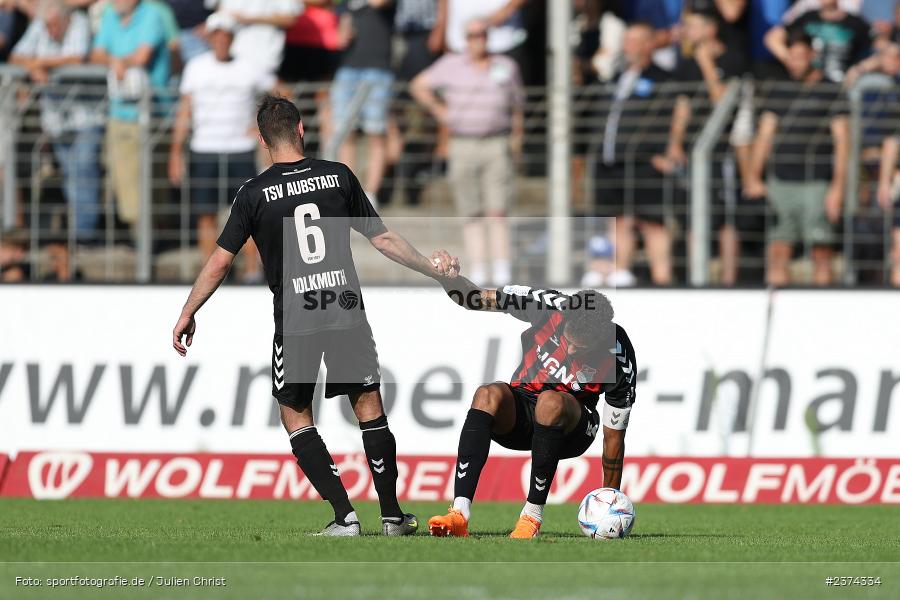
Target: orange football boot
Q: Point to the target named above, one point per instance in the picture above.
(527, 528)
(452, 524)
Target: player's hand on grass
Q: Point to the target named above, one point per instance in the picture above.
(185, 326)
(444, 265)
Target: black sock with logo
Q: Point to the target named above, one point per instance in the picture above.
(474, 445)
(546, 445)
(319, 468)
(381, 452)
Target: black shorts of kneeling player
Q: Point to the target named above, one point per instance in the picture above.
(519, 437)
(349, 355)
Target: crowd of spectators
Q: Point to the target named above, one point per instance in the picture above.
(465, 64)
(780, 170)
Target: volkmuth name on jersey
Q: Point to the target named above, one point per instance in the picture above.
(318, 281)
(302, 186)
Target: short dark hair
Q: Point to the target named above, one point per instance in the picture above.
(798, 36)
(277, 119)
(591, 317)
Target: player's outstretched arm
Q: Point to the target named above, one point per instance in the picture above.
(209, 279)
(468, 295)
(395, 247)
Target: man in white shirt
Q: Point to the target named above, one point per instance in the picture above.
(218, 96)
(56, 37)
(263, 24)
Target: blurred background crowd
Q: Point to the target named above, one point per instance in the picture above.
(128, 125)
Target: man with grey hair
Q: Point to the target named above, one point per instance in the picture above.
(482, 105)
(59, 36)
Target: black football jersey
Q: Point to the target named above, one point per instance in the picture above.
(546, 365)
(300, 215)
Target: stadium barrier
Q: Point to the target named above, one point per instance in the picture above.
(722, 480)
(160, 242)
(825, 384)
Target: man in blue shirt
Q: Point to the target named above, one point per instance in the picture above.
(131, 41)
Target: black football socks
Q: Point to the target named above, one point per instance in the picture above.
(546, 445)
(474, 445)
(381, 452)
(320, 470)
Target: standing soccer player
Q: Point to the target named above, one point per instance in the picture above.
(571, 353)
(300, 212)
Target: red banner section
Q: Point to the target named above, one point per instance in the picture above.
(4, 462)
(56, 475)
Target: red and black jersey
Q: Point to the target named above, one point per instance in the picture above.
(611, 369)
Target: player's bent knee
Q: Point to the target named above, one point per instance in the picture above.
(487, 398)
(550, 408)
(367, 405)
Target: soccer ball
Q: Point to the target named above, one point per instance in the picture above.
(605, 514)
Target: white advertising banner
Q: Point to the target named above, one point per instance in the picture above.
(92, 368)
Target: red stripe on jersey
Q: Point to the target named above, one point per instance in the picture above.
(529, 374)
(543, 377)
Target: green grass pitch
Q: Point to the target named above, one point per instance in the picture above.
(262, 549)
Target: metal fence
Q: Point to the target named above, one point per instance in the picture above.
(54, 149)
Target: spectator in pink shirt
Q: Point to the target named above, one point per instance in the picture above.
(481, 103)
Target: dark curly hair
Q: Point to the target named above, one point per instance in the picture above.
(589, 317)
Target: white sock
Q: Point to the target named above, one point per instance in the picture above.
(351, 516)
(502, 271)
(534, 510)
(463, 505)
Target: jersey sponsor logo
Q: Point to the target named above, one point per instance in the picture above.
(516, 290)
(553, 367)
(301, 186)
(585, 374)
(727, 480)
(318, 281)
(348, 299)
(55, 475)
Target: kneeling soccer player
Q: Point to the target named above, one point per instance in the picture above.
(572, 353)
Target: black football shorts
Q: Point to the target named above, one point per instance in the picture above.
(350, 358)
(575, 443)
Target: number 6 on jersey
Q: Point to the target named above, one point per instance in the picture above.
(317, 253)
